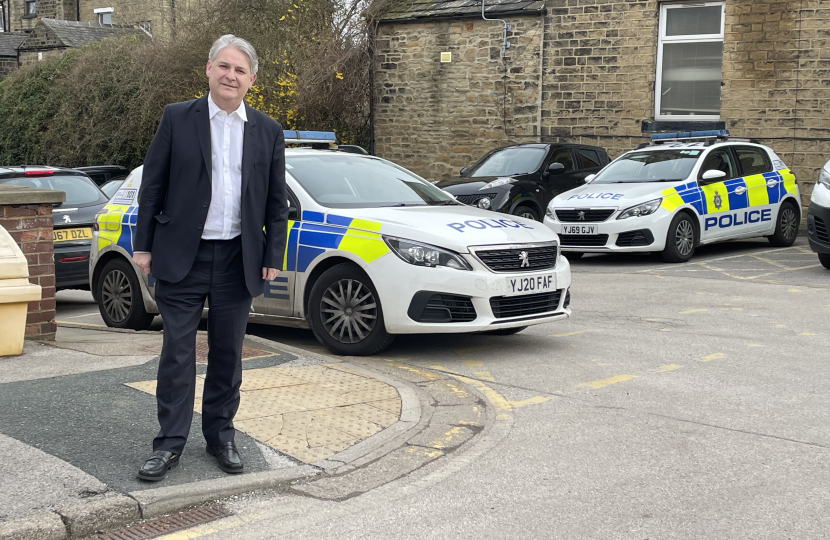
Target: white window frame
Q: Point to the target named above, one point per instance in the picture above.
(103, 11)
(697, 38)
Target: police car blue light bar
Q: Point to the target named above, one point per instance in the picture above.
(293, 136)
(685, 135)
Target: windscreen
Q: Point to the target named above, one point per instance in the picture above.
(80, 190)
(338, 180)
(509, 162)
(654, 166)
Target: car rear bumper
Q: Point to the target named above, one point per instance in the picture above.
(71, 266)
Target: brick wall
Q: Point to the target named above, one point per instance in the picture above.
(599, 68)
(7, 65)
(435, 117)
(31, 227)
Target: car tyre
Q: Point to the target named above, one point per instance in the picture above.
(824, 259)
(505, 331)
(526, 212)
(345, 314)
(786, 226)
(119, 297)
(680, 240)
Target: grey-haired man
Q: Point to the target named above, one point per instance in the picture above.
(214, 179)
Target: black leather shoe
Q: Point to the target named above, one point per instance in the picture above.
(157, 465)
(227, 456)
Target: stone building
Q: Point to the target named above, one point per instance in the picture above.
(151, 15)
(8, 52)
(603, 72)
(51, 37)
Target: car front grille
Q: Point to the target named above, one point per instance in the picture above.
(530, 304)
(448, 308)
(587, 214)
(821, 230)
(511, 259)
(635, 238)
(583, 240)
(473, 199)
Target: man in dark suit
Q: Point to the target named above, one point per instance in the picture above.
(214, 179)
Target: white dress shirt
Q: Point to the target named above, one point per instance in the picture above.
(224, 214)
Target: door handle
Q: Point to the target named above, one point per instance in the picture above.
(772, 183)
(740, 190)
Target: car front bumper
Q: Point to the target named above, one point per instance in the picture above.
(818, 228)
(398, 282)
(615, 236)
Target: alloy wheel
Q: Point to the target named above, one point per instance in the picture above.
(685, 237)
(348, 311)
(789, 224)
(528, 215)
(117, 296)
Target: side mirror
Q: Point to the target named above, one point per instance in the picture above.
(292, 212)
(590, 178)
(464, 170)
(713, 174)
(556, 168)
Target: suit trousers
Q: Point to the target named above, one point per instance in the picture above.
(217, 276)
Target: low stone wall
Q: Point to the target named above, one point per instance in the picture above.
(27, 215)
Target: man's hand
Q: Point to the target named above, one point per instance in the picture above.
(142, 260)
(269, 274)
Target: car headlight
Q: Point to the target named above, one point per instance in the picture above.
(824, 178)
(484, 203)
(643, 209)
(427, 255)
(550, 214)
(498, 182)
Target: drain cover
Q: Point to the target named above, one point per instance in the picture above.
(166, 525)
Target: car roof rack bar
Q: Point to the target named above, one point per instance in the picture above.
(691, 136)
(293, 136)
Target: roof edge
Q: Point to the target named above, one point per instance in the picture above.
(458, 16)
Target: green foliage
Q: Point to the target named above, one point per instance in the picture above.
(100, 104)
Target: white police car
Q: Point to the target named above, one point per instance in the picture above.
(818, 217)
(373, 251)
(682, 190)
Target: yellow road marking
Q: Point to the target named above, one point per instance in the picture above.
(568, 334)
(697, 310)
(795, 290)
(807, 334)
(666, 367)
(473, 363)
(500, 402)
(780, 325)
(428, 452)
(425, 374)
(754, 345)
(602, 383)
(82, 324)
(447, 438)
(710, 357)
(665, 329)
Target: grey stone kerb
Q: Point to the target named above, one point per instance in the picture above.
(26, 195)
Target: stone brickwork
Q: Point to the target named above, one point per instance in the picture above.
(31, 227)
(435, 117)
(597, 82)
(31, 57)
(157, 12)
(53, 9)
(7, 65)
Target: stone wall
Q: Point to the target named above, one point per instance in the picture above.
(599, 68)
(45, 40)
(31, 227)
(52, 9)
(7, 65)
(435, 117)
(31, 57)
(158, 12)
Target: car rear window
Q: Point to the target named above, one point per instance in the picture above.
(753, 160)
(80, 190)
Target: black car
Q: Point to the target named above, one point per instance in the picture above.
(522, 179)
(101, 174)
(73, 218)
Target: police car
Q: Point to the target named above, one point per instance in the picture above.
(680, 191)
(372, 251)
(818, 217)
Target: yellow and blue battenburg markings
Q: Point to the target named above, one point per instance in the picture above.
(117, 226)
(721, 196)
(319, 232)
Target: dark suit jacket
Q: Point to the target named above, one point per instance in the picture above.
(176, 191)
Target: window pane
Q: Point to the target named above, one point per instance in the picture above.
(590, 159)
(693, 21)
(563, 156)
(510, 161)
(691, 78)
(652, 166)
(753, 160)
(719, 160)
